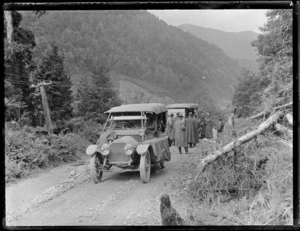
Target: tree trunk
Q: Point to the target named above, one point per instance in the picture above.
(46, 110)
(227, 148)
(261, 114)
(9, 25)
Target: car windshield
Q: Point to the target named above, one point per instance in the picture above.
(125, 122)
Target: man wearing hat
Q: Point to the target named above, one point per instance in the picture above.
(170, 128)
(202, 126)
(180, 134)
(197, 127)
(190, 130)
(208, 126)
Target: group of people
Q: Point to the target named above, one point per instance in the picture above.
(186, 132)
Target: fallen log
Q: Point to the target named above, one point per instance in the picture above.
(289, 118)
(243, 139)
(261, 114)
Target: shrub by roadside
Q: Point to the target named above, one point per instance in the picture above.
(88, 129)
(26, 149)
(254, 186)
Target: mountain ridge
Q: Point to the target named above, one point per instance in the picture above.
(235, 44)
(138, 45)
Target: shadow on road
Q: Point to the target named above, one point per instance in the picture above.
(133, 174)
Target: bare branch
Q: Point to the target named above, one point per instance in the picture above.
(283, 106)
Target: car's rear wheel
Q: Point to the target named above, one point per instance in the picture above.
(145, 167)
(95, 163)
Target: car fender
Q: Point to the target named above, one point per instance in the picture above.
(142, 148)
(91, 149)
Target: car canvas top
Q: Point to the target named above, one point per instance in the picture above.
(183, 105)
(144, 107)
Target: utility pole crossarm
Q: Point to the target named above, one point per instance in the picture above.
(41, 84)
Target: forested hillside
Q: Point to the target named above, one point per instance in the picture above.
(236, 44)
(141, 47)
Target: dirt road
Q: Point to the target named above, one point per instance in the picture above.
(66, 196)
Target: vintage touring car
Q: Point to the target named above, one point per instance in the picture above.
(133, 138)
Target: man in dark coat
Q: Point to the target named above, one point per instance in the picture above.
(202, 126)
(208, 127)
(190, 130)
(180, 134)
(197, 127)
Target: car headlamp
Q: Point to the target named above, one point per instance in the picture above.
(128, 149)
(105, 149)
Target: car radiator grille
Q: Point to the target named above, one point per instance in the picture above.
(117, 153)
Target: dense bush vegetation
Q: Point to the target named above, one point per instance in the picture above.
(87, 129)
(251, 185)
(27, 149)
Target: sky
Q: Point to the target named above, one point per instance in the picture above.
(225, 20)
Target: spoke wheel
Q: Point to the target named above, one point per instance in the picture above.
(95, 163)
(145, 167)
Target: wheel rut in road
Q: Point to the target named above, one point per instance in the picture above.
(120, 199)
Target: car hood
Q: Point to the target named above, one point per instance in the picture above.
(127, 140)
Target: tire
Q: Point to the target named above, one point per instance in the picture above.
(96, 175)
(162, 163)
(145, 167)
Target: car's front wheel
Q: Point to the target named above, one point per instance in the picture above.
(95, 164)
(145, 167)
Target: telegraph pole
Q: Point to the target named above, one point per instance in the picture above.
(45, 105)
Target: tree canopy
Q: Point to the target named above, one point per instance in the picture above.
(95, 95)
(59, 93)
(272, 84)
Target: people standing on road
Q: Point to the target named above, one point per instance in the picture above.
(190, 130)
(208, 127)
(202, 126)
(174, 120)
(197, 126)
(180, 134)
(170, 128)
